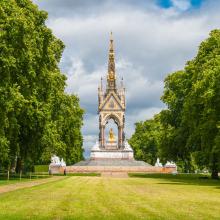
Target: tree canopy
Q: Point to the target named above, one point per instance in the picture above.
(146, 140)
(37, 117)
(191, 123)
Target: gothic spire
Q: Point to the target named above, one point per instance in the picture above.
(111, 59)
(111, 78)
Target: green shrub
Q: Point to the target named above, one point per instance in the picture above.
(41, 168)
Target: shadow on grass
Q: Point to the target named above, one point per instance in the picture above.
(180, 179)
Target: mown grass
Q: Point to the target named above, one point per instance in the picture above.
(79, 174)
(151, 197)
(189, 176)
(15, 178)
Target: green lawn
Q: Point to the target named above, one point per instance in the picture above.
(149, 197)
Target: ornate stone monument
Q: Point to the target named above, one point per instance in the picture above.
(111, 106)
(111, 154)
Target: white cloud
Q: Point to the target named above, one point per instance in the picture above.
(181, 5)
(150, 42)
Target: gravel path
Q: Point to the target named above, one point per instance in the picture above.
(28, 184)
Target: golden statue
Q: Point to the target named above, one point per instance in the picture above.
(111, 136)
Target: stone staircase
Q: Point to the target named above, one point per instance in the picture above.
(112, 162)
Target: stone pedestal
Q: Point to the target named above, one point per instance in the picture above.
(111, 151)
(111, 145)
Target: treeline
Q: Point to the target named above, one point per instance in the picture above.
(37, 118)
(188, 131)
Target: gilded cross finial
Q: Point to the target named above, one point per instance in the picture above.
(111, 63)
(111, 48)
(111, 36)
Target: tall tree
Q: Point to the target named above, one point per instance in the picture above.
(193, 101)
(146, 140)
(175, 132)
(32, 100)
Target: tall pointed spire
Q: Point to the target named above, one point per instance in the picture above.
(111, 59)
(111, 78)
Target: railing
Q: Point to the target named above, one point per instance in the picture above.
(19, 176)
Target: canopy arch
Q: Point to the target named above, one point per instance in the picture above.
(118, 118)
(112, 116)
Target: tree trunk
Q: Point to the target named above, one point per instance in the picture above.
(215, 174)
(187, 168)
(13, 164)
(214, 166)
(19, 165)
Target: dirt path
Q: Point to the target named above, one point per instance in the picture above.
(115, 174)
(28, 184)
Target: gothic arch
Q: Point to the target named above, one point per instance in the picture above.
(114, 117)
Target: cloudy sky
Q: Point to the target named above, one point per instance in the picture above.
(152, 39)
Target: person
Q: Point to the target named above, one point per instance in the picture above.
(64, 172)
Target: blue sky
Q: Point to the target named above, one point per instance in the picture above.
(169, 3)
(152, 39)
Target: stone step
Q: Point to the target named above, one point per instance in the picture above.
(112, 162)
(115, 174)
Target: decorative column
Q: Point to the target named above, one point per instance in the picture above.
(102, 136)
(120, 141)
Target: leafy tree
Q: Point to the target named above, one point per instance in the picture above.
(175, 132)
(33, 104)
(188, 131)
(62, 135)
(146, 140)
(193, 101)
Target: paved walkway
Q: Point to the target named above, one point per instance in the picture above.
(115, 174)
(28, 184)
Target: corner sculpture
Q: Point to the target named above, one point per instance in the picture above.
(56, 165)
(111, 105)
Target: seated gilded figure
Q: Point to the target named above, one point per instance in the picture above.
(111, 137)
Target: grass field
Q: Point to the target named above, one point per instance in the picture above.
(148, 197)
